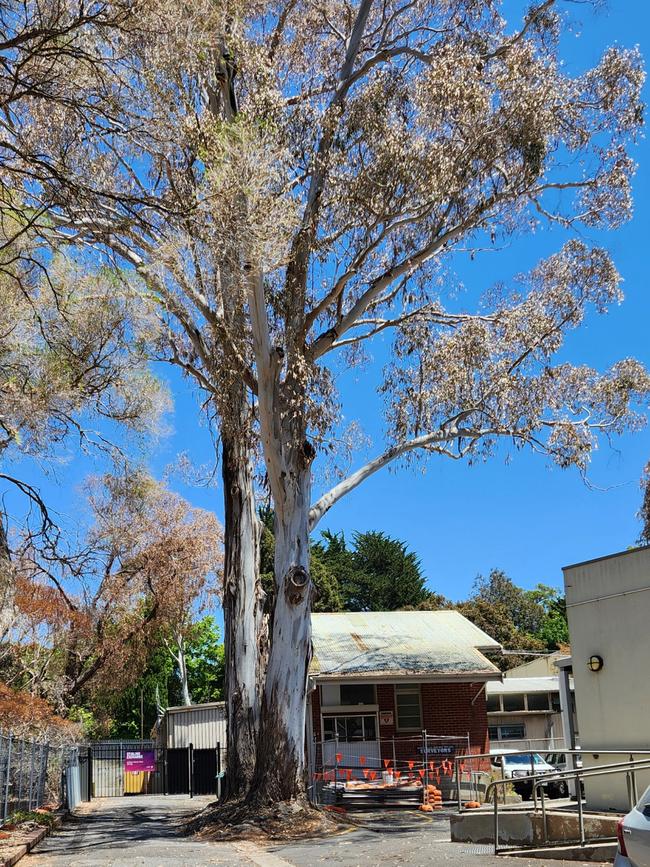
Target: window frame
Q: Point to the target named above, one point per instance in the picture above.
(512, 696)
(497, 698)
(533, 695)
(371, 686)
(335, 718)
(337, 707)
(501, 726)
(407, 689)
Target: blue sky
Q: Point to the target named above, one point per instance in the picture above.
(521, 516)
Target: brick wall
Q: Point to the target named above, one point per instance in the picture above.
(451, 709)
(456, 709)
(447, 709)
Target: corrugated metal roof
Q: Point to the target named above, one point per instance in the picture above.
(399, 642)
(525, 684)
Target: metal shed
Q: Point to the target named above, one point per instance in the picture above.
(202, 725)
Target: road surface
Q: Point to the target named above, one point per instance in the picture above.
(143, 831)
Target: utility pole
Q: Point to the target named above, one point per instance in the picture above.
(141, 714)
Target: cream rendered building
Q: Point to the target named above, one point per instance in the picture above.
(608, 609)
(524, 710)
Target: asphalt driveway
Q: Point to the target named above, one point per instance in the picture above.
(143, 831)
(134, 831)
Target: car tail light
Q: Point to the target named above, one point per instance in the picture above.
(621, 838)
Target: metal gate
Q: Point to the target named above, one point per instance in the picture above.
(178, 771)
(110, 779)
(205, 771)
(193, 772)
(181, 771)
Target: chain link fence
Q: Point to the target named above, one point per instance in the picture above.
(31, 774)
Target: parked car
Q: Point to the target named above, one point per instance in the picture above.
(515, 766)
(634, 835)
(560, 762)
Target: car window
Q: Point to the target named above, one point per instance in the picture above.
(644, 800)
(524, 760)
(561, 759)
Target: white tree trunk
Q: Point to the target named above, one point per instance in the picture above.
(245, 622)
(181, 661)
(280, 769)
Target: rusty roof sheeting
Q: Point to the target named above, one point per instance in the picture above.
(399, 642)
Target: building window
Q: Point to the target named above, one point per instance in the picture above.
(512, 733)
(409, 709)
(507, 733)
(513, 702)
(336, 695)
(493, 704)
(350, 728)
(357, 693)
(555, 702)
(537, 701)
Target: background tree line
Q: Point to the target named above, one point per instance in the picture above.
(369, 572)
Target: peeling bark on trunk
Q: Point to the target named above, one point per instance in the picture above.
(280, 768)
(245, 622)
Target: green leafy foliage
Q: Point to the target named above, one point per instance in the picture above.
(554, 631)
(160, 681)
(22, 816)
(122, 715)
(525, 608)
(205, 661)
(377, 574)
(328, 591)
(526, 620)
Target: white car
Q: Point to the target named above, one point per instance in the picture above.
(515, 766)
(634, 835)
(560, 762)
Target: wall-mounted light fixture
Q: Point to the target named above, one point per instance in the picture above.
(595, 663)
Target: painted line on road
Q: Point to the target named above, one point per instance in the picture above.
(259, 856)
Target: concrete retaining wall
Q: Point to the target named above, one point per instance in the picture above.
(523, 828)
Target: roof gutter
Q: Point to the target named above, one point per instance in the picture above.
(185, 708)
(414, 677)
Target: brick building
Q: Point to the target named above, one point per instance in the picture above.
(381, 680)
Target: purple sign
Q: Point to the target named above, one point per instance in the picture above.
(136, 761)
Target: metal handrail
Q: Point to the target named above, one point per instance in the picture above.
(628, 768)
(580, 753)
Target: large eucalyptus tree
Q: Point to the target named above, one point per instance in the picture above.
(287, 181)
